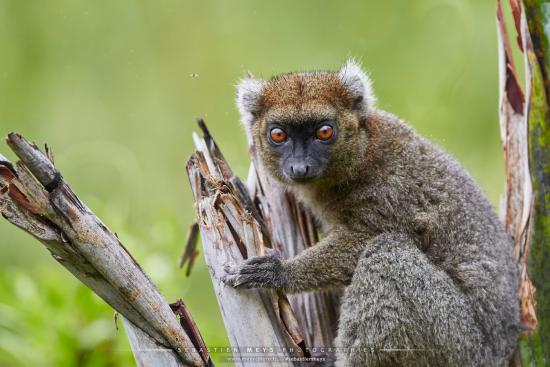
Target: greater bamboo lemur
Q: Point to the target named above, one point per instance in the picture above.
(427, 265)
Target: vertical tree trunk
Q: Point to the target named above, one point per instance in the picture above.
(237, 222)
(293, 230)
(525, 128)
(537, 16)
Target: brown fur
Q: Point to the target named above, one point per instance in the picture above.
(295, 98)
(302, 91)
(428, 268)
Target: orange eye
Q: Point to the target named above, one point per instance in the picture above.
(278, 135)
(325, 132)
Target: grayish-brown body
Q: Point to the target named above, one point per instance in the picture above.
(428, 268)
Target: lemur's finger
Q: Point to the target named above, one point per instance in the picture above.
(258, 260)
(249, 269)
(231, 268)
(244, 281)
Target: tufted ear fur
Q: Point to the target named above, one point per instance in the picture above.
(358, 83)
(248, 91)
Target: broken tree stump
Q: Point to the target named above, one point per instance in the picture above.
(239, 221)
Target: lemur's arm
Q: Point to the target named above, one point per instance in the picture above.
(328, 264)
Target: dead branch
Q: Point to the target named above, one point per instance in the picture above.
(35, 197)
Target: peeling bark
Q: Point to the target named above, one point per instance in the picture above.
(238, 221)
(525, 129)
(35, 197)
(232, 230)
(293, 229)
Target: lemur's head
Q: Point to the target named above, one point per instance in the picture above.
(307, 126)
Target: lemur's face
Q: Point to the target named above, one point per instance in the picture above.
(304, 125)
(302, 150)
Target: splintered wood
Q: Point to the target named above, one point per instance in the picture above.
(517, 203)
(292, 230)
(238, 221)
(232, 230)
(35, 197)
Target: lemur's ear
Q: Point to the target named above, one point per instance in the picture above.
(248, 91)
(358, 83)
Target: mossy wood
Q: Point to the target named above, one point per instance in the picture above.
(525, 127)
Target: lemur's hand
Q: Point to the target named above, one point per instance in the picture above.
(257, 272)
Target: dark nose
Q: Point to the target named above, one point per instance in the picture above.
(299, 170)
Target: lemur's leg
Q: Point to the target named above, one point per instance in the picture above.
(401, 310)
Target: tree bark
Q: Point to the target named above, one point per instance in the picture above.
(525, 130)
(237, 222)
(35, 197)
(292, 230)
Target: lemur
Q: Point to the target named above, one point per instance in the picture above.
(427, 266)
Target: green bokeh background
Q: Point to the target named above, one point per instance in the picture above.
(115, 86)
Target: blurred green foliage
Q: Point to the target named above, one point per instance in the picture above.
(114, 88)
